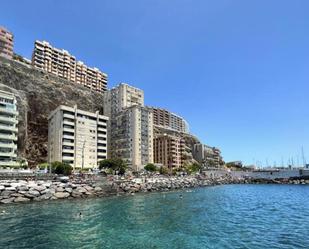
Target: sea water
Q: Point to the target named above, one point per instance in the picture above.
(227, 216)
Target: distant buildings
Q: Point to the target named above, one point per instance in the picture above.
(168, 150)
(166, 119)
(206, 155)
(6, 43)
(61, 63)
(77, 137)
(131, 126)
(8, 129)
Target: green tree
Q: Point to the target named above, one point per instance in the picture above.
(150, 167)
(61, 168)
(163, 170)
(114, 164)
(42, 166)
(193, 168)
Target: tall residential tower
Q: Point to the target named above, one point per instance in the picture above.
(131, 126)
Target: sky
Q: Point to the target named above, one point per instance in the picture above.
(236, 70)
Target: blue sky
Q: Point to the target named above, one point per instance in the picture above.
(237, 70)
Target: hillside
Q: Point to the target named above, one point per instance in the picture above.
(38, 94)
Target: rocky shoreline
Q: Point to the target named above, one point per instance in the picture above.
(20, 191)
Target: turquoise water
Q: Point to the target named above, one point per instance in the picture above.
(232, 216)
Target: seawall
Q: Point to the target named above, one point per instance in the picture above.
(16, 191)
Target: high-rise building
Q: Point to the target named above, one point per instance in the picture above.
(168, 150)
(77, 137)
(207, 155)
(6, 43)
(132, 137)
(8, 129)
(61, 63)
(131, 126)
(121, 97)
(166, 119)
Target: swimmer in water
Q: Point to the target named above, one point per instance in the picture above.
(80, 215)
(180, 196)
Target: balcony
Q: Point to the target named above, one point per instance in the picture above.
(101, 153)
(8, 154)
(8, 137)
(67, 129)
(67, 158)
(71, 137)
(8, 128)
(102, 135)
(68, 143)
(8, 120)
(68, 122)
(101, 147)
(70, 116)
(8, 110)
(102, 129)
(8, 145)
(68, 151)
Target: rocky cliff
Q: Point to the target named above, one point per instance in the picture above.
(38, 94)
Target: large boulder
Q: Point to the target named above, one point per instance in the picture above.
(7, 201)
(6, 193)
(33, 193)
(61, 195)
(21, 199)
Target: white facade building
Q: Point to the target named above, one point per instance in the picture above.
(8, 129)
(77, 137)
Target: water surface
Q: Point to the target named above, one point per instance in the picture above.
(231, 216)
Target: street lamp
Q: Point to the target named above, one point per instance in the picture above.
(83, 154)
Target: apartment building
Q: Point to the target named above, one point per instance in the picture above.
(64, 65)
(166, 119)
(168, 150)
(6, 43)
(8, 129)
(207, 155)
(121, 97)
(77, 137)
(132, 136)
(131, 126)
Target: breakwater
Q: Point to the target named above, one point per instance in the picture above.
(17, 191)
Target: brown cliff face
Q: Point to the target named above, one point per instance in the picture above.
(37, 95)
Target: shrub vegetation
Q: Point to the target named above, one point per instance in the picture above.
(113, 165)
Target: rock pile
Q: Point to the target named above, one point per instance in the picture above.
(14, 191)
(299, 181)
(25, 191)
(170, 183)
